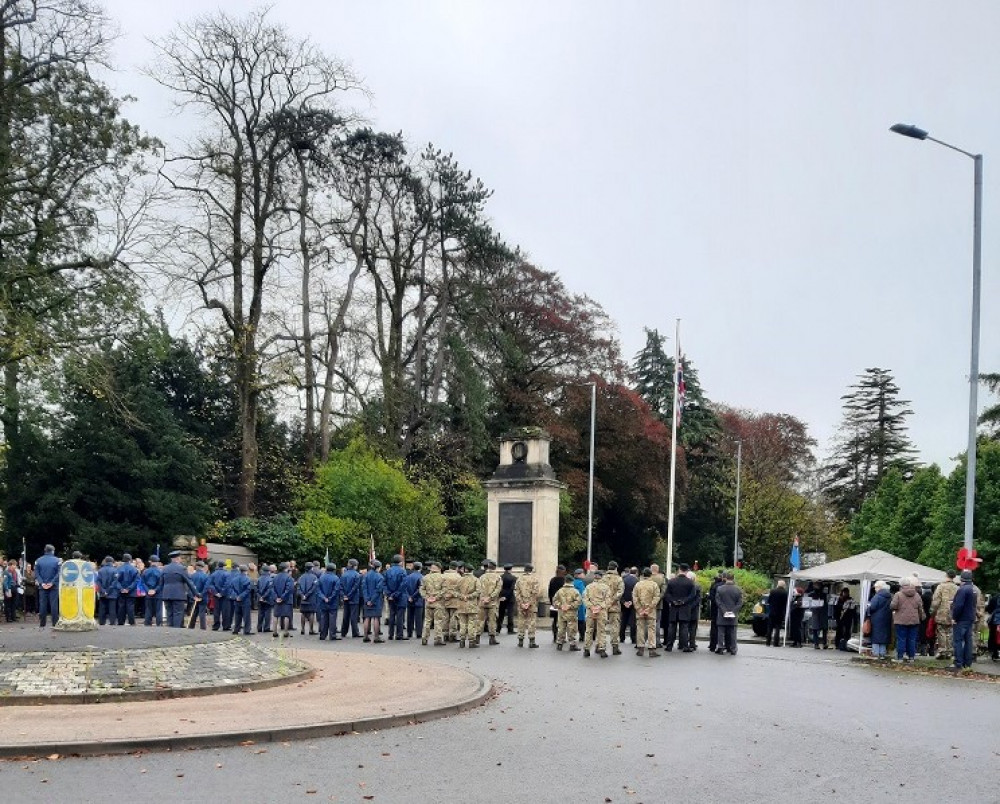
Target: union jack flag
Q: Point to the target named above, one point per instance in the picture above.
(681, 389)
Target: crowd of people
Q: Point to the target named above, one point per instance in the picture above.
(942, 621)
(458, 603)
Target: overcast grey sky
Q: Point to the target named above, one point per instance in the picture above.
(726, 163)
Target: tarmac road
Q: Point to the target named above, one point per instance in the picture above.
(770, 725)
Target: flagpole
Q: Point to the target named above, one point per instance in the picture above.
(673, 454)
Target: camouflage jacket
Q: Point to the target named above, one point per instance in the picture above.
(432, 589)
(450, 580)
(645, 596)
(661, 584)
(489, 588)
(566, 601)
(944, 594)
(597, 597)
(526, 590)
(468, 594)
(616, 584)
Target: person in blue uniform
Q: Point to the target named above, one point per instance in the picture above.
(328, 602)
(127, 577)
(307, 599)
(373, 600)
(265, 599)
(414, 600)
(200, 581)
(107, 593)
(227, 601)
(217, 583)
(47, 581)
(395, 594)
(350, 595)
(152, 579)
(175, 583)
(284, 600)
(239, 595)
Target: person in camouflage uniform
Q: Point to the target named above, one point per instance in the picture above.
(944, 594)
(450, 579)
(469, 623)
(435, 613)
(566, 601)
(617, 586)
(645, 597)
(490, 585)
(661, 584)
(597, 598)
(526, 592)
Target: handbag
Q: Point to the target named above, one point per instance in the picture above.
(866, 628)
(931, 629)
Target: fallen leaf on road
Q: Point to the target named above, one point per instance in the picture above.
(56, 756)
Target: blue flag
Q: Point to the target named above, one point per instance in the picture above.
(795, 561)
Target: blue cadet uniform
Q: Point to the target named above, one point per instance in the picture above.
(373, 599)
(284, 599)
(107, 592)
(217, 583)
(414, 601)
(152, 579)
(128, 578)
(239, 594)
(395, 581)
(307, 598)
(265, 599)
(200, 610)
(328, 601)
(350, 594)
(227, 600)
(47, 579)
(174, 587)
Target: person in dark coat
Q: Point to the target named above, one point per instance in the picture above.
(506, 610)
(152, 579)
(880, 614)
(284, 600)
(713, 611)
(414, 600)
(47, 581)
(681, 593)
(556, 582)
(795, 618)
(373, 599)
(127, 578)
(395, 593)
(729, 598)
(629, 580)
(175, 583)
(328, 601)
(306, 586)
(818, 624)
(350, 594)
(217, 583)
(777, 604)
(107, 591)
(265, 598)
(200, 580)
(239, 595)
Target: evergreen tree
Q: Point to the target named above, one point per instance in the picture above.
(872, 439)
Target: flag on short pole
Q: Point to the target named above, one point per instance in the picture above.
(681, 387)
(795, 562)
(326, 558)
(371, 549)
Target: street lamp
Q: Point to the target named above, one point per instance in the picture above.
(970, 470)
(736, 524)
(590, 494)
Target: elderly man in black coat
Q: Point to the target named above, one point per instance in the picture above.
(681, 593)
(777, 605)
(729, 598)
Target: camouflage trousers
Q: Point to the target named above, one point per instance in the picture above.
(526, 621)
(490, 614)
(597, 626)
(614, 623)
(469, 627)
(566, 629)
(645, 632)
(945, 643)
(435, 619)
(451, 624)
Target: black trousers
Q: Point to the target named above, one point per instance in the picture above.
(414, 620)
(677, 629)
(506, 609)
(727, 638)
(175, 612)
(351, 613)
(628, 624)
(774, 630)
(107, 611)
(126, 609)
(264, 616)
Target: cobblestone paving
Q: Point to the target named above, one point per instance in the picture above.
(96, 671)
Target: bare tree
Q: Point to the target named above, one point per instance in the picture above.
(241, 75)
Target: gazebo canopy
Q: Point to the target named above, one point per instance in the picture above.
(873, 565)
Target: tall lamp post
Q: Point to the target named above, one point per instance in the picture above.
(590, 494)
(736, 523)
(970, 471)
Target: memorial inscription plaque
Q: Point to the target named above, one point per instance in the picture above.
(515, 533)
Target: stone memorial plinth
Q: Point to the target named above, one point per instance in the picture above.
(523, 506)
